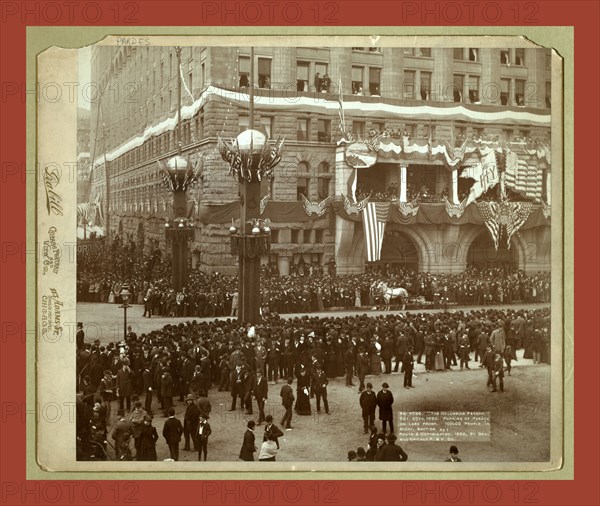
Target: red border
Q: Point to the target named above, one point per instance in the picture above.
(15, 490)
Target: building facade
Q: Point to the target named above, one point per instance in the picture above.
(423, 100)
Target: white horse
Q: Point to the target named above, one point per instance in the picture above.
(392, 293)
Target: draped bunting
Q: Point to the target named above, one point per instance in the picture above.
(427, 150)
(455, 210)
(504, 216)
(427, 213)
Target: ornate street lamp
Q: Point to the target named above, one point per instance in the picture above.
(125, 294)
(251, 159)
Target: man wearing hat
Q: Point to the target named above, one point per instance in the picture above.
(125, 384)
(391, 452)
(172, 432)
(248, 447)
(320, 383)
(453, 455)
(368, 403)
(190, 423)
(261, 392)
(204, 431)
(385, 399)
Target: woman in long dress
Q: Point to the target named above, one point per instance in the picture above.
(302, 393)
(375, 356)
(148, 439)
(439, 355)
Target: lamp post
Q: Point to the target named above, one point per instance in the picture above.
(251, 159)
(125, 297)
(178, 176)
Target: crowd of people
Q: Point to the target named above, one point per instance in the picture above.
(104, 269)
(141, 376)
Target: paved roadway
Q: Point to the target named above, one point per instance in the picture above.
(105, 321)
(520, 418)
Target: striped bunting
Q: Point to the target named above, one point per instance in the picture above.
(522, 178)
(374, 217)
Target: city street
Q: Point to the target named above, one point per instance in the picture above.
(520, 417)
(105, 321)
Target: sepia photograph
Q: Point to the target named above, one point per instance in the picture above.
(310, 254)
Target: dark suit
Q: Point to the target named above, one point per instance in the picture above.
(204, 431)
(391, 452)
(147, 385)
(172, 433)
(273, 430)
(287, 401)
(386, 414)
(368, 403)
(237, 382)
(248, 449)
(261, 391)
(190, 425)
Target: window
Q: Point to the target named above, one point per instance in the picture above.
(458, 53)
(358, 128)
(459, 136)
(324, 130)
(357, 80)
(319, 236)
(296, 237)
(378, 126)
(424, 51)
(202, 75)
(191, 81)
(473, 54)
(322, 80)
(409, 51)
(548, 95)
(507, 134)
(504, 87)
(520, 56)
(409, 84)
(478, 133)
(302, 76)
(473, 89)
(323, 187)
(505, 56)
(548, 60)
(267, 124)
(274, 236)
(525, 134)
(323, 168)
(374, 81)
(302, 129)
(302, 187)
(264, 72)
(243, 122)
(244, 71)
(425, 85)
(410, 129)
(520, 92)
(459, 81)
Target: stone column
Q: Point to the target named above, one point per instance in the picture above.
(403, 182)
(454, 187)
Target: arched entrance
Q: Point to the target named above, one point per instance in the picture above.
(399, 250)
(483, 255)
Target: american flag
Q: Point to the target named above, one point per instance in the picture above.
(374, 217)
(518, 214)
(489, 214)
(523, 178)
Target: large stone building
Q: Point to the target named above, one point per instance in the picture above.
(442, 109)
